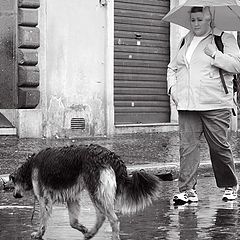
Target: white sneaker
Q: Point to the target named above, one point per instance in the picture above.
(230, 193)
(186, 197)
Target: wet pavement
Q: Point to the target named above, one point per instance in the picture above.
(210, 218)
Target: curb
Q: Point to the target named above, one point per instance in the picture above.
(170, 171)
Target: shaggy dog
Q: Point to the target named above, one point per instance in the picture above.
(60, 174)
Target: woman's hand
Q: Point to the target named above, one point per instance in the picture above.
(210, 50)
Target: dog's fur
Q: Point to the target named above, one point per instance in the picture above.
(60, 174)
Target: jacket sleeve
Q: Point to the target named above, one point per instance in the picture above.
(171, 74)
(172, 68)
(230, 59)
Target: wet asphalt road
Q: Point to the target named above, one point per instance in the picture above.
(210, 218)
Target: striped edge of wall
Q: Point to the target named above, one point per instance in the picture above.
(8, 131)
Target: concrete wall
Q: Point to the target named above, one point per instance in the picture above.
(73, 78)
(72, 71)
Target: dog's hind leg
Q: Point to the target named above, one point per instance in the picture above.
(103, 201)
(114, 221)
(102, 213)
(45, 204)
(100, 218)
(73, 211)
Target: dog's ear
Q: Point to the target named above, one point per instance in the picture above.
(12, 177)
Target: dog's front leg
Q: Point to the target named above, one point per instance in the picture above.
(45, 205)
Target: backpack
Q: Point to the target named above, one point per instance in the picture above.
(236, 77)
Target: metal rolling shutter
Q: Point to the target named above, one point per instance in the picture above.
(141, 55)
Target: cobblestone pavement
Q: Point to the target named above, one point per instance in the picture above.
(134, 149)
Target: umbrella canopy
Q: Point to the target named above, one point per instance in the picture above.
(225, 13)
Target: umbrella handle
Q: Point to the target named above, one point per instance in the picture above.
(212, 14)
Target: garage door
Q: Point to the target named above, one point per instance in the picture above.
(141, 55)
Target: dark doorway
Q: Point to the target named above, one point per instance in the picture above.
(8, 54)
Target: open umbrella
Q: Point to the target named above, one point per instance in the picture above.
(225, 13)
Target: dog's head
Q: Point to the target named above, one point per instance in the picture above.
(21, 179)
(18, 186)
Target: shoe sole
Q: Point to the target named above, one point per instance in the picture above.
(179, 202)
(182, 202)
(225, 199)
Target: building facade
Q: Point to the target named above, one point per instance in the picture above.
(86, 68)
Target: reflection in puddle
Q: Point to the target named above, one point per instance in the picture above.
(210, 218)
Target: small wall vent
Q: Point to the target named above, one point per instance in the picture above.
(77, 123)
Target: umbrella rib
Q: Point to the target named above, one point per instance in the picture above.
(224, 16)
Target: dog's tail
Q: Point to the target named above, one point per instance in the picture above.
(130, 193)
(137, 191)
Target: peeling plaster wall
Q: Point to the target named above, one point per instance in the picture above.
(75, 69)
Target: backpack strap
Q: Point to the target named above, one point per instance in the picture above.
(218, 42)
(182, 43)
(220, 46)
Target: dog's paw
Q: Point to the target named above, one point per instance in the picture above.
(88, 235)
(36, 235)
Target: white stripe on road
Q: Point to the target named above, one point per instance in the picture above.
(13, 206)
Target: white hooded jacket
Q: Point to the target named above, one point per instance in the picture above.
(197, 85)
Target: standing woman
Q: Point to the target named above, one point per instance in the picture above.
(203, 107)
